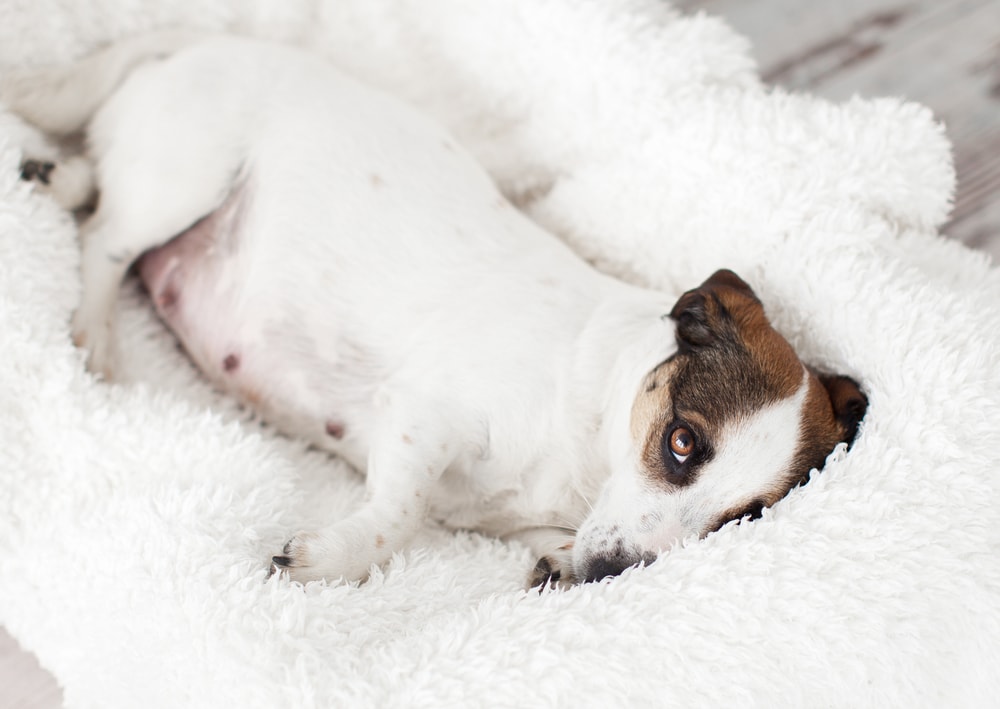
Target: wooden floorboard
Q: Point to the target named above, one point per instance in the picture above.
(942, 53)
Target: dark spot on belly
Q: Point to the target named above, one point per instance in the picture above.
(168, 298)
(231, 363)
(335, 429)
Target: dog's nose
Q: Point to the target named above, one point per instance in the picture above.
(599, 567)
(602, 568)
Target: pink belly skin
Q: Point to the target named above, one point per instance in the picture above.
(164, 270)
(199, 289)
(183, 278)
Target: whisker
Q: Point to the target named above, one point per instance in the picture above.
(564, 527)
(584, 498)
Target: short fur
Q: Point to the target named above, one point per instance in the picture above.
(339, 262)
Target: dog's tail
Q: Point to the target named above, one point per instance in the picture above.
(61, 99)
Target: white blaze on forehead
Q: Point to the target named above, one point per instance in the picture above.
(752, 458)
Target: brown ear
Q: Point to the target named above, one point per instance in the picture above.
(848, 402)
(694, 313)
(691, 314)
(724, 278)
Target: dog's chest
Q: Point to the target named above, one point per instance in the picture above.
(497, 498)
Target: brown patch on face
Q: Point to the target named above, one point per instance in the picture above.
(730, 363)
(379, 541)
(652, 400)
(830, 414)
(833, 408)
(751, 511)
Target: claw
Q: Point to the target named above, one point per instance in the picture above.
(37, 170)
(546, 572)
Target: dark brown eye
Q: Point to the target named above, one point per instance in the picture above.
(681, 443)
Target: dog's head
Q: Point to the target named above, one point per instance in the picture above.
(725, 427)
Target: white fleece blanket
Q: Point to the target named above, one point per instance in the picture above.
(136, 520)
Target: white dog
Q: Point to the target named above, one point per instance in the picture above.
(339, 262)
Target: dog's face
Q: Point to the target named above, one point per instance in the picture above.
(723, 428)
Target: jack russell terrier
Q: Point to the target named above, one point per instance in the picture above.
(336, 260)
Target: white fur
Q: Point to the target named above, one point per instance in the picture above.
(360, 268)
(637, 515)
(136, 521)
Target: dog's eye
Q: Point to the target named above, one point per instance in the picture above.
(681, 443)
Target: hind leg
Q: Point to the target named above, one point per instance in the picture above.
(133, 217)
(112, 240)
(66, 177)
(107, 253)
(70, 182)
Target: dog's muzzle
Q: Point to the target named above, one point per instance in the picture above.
(600, 567)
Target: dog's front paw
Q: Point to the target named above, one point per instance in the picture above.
(551, 571)
(97, 342)
(296, 560)
(310, 556)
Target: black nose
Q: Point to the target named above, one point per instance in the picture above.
(599, 567)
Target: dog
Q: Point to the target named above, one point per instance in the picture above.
(336, 260)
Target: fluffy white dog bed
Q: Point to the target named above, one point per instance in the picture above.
(136, 520)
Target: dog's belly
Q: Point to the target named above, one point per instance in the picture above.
(199, 287)
(251, 345)
(486, 497)
(383, 258)
(321, 388)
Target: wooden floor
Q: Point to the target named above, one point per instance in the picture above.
(942, 53)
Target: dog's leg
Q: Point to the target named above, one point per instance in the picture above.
(553, 547)
(409, 453)
(61, 99)
(67, 178)
(107, 254)
(129, 221)
(150, 191)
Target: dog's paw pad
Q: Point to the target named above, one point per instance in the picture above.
(37, 171)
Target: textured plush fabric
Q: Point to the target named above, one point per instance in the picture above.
(136, 520)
